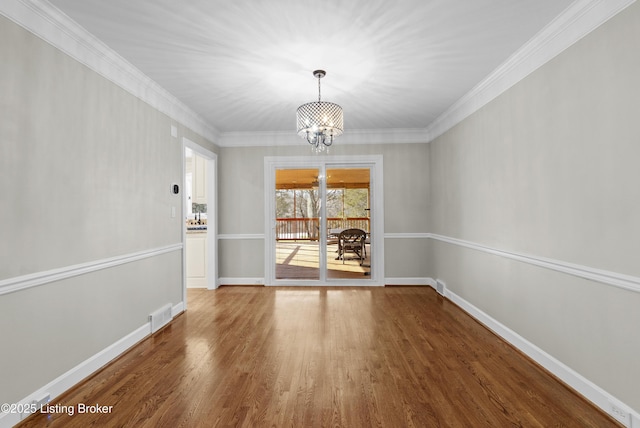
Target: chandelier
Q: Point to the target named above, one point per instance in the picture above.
(319, 121)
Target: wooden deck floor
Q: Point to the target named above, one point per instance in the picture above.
(320, 357)
(300, 260)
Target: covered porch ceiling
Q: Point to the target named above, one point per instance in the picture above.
(350, 178)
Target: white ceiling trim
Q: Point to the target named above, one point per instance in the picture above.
(50, 24)
(354, 136)
(53, 26)
(578, 20)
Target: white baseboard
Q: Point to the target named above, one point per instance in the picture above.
(85, 369)
(241, 281)
(588, 389)
(177, 309)
(582, 385)
(388, 281)
(407, 281)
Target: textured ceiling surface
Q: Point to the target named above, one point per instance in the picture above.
(246, 65)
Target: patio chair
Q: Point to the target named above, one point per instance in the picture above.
(352, 240)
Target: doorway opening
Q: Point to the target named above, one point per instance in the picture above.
(322, 222)
(200, 219)
(196, 219)
(298, 227)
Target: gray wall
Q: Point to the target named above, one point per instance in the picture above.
(546, 169)
(550, 168)
(86, 170)
(241, 204)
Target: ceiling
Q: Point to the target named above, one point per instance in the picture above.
(336, 178)
(245, 65)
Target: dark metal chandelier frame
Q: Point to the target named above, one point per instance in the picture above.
(320, 121)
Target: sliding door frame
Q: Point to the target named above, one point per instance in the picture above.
(375, 163)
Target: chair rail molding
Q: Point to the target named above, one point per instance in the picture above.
(615, 279)
(23, 282)
(240, 236)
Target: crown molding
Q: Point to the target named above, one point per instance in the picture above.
(575, 22)
(258, 139)
(53, 26)
(384, 136)
(350, 136)
(578, 20)
(47, 22)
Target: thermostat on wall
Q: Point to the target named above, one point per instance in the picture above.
(175, 189)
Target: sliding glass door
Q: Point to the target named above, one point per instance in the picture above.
(321, 223)
(297, 224)
(347, 222)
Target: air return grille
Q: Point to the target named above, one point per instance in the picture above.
(160, 318)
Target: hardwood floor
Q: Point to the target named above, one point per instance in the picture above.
(319, 357)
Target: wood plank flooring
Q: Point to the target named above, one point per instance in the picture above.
(301, 260)
(320, 357)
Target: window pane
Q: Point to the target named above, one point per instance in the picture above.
(284, 203)
(356, 201)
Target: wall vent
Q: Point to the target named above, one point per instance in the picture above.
(160, 318)
(440, 287)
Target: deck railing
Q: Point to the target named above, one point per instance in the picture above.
(308, 229)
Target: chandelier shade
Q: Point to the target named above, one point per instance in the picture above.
(319, 122)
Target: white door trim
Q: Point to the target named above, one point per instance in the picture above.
(212, 216)
(375, 162)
